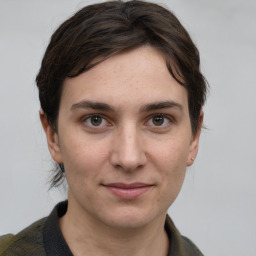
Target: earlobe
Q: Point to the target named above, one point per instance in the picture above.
(52, 138)
(195, 141)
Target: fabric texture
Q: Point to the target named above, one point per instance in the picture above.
(44, 238)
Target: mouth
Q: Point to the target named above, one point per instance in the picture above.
(128, 191)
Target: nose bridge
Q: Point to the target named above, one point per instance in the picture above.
(128, 152)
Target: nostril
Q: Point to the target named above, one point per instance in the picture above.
(128, 162)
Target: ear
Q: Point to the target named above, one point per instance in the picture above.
(52, 138)
(195, 141)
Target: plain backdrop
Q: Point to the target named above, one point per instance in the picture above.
(216, 207)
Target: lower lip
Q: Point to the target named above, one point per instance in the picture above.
(128, 193)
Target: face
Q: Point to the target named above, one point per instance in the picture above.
(124, 136)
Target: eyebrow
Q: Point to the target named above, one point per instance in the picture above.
(161, 105)
(93, 105)
(106, 107)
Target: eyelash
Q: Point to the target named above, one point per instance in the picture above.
(166, 118)
(89, 118)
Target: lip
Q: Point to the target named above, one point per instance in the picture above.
(128, 191)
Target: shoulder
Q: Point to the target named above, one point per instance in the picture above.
(5, 241)
(189, 247)
(28, 242)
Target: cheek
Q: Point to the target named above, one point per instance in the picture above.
(81, 149)
(83, 161)
(171, 162)
(171, 153)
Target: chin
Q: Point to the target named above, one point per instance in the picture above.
(129, 218)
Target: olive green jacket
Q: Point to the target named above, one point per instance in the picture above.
(44, 238)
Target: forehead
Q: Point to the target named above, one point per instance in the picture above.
(135, 76)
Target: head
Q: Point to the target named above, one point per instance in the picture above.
(98, 32)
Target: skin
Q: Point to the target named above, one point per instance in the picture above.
(140, 134)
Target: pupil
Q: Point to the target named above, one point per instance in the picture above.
(158, 120)
(96, 120)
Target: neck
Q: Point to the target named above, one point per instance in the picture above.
(84, 239)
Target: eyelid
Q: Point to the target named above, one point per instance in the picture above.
(170, 118)
(86, 117)
(166, 116)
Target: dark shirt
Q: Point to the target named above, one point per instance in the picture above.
(44, 238)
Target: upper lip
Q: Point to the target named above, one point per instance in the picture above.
(127, 186)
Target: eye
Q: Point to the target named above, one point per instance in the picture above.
(159, 120)
(95, 121)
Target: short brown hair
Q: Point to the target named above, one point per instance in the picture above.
(101, 30)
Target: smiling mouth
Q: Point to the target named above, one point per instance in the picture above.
(128, 191)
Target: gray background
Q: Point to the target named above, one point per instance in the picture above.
(216, 207)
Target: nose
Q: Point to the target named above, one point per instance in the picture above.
(128, 151)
